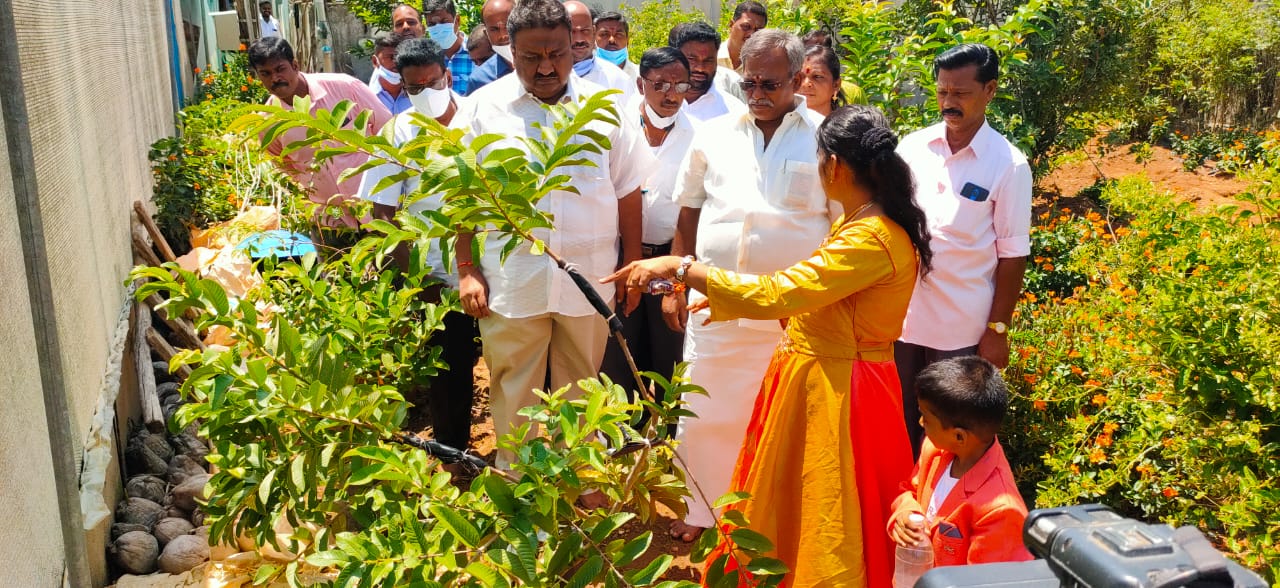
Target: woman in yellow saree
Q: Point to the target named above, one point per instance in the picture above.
(826, 448)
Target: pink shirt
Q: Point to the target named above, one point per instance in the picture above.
(326, 91)
(978, 205)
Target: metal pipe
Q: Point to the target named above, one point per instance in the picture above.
(22, 167)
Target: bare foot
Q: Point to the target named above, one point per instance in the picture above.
(685, 532)
(593, 500)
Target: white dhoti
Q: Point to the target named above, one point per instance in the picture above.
(729, 361)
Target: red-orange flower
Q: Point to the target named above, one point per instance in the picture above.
(1099, 399)
(1169, 492)
(1040, 405)
(1097, 456)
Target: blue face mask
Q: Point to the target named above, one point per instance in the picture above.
(443, 34)
(583, 67)
(617, 58)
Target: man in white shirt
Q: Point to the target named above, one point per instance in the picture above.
(751, 202)
(975, 188)
(586, 64)
(748, 17)
(664, 79)
(268, 26)
(530, 312)
(613, 38)
(708, 96)
(423, 66)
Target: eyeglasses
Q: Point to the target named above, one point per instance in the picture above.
(664, 87)
(415, 90)
(770, 86)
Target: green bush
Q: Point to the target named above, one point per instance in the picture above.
(206, 173)
(652, 20)
(1152, 387)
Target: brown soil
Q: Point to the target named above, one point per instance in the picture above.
(1204, 186)
(484, 444)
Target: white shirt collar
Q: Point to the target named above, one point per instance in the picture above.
(570, 93)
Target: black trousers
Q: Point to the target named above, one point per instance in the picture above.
(452, 393)
(911, 359)
(654, 346)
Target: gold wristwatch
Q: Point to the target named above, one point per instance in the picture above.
(999, 327)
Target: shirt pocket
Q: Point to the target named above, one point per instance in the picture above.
(802, 192)
(969, 222)
(950, 551)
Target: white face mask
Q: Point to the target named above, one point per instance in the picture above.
(658, 120)
(430, 102)
(505, 52)
(388, 75)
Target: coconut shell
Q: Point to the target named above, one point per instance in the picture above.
(139, 511)
(182, 467)
(169, 528)
(167, 390)
(191, 446)
(191, 489)
(183, 553)
(119, 529)
(152, 488)
(197, 517)
(135, 552)
(148, 454)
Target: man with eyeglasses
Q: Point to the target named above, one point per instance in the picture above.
(664, 79)
(531, 315)
(613, 37)
(751, 202)
(588, 65)
(708, 95)
(272, 61)
(428, 82)
(494, 15)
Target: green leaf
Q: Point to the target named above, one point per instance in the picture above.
(459, 526)
(650, 573)
(608, 525)
(501, 494)
(730, 498)
(766, 566)
(633, 549)
(264, 487)
(751, 540)
(703, 546)
(587, 573)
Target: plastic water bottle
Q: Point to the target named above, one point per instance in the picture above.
(913, 561)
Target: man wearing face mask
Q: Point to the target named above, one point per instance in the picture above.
(494, 14)
(272, 62)
(708, 96)
(442, 27)
(423, 66)
(751, 202)
(586, 64)
(613, 36)
(664, 78)
(386, 79)
(531, 315)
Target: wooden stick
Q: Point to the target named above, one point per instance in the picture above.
(143, 249)
(156, 236)
(152, 414)
(180, 326)
(166, 351)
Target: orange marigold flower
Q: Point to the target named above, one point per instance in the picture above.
(197, 186)
(1099, 399)
(1097, 456)
(1145, 469)
(1029, 378)
(1110, 428)
(197, 70)
(1074, 353)
(1170, 492)
(1103, 441)
(1048, 267)
(1092, 383)
(1040, 405)
(1075, 469)
(1155, 396)
(243, 47)
(1105, 372)
(1075, 369)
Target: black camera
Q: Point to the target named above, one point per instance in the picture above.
(1092, 546)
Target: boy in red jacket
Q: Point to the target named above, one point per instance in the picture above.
(962, 483)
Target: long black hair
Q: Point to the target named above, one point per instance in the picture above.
(860, 136)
